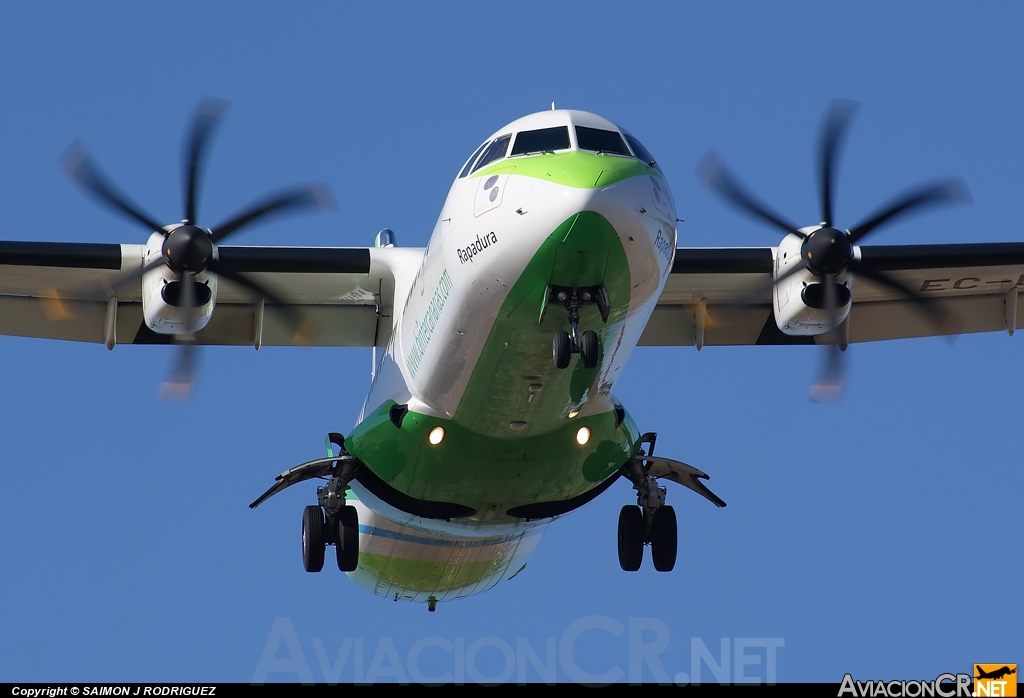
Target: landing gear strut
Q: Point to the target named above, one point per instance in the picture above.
(650, 521)
(565, 344)
(331, 521)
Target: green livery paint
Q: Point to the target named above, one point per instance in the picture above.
(482, 463)
(421, 576)
(489, 473)
(576, 168)
(584, 250)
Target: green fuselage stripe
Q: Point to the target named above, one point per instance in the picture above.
(576, 168)
(483, 462)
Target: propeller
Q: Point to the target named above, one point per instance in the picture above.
(827, 251)
(189, 249)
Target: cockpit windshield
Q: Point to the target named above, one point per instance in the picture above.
(601, 140)
(554, 139)
(472, 159)
(541, 140)
(495, 151)
(641, 152)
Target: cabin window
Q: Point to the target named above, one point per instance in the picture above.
(641, 152)
(495, 151)
(600, 140)
(472, 159)
(541, 140)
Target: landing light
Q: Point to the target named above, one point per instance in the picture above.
(572, 415)
(583, 436)
(436, 436)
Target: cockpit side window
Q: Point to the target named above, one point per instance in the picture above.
(472, 159)
(541, 140)
(641, 152)
(495, 151)
(600, 140)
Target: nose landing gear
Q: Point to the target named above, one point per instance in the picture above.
(565, 344)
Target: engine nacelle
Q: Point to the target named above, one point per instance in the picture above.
(161, 295)
(800, 300)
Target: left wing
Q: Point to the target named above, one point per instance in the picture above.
(61, 291)
(977, 282)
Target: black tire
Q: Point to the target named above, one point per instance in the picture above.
(631, 538)
(589, 349)
(313, 540)
(561, 349)
(348, 539)
(664, 539)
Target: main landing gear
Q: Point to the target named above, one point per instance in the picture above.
(651, 521)
(638, 527)
(565, 344)
(331, 522)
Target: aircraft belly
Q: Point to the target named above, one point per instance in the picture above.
(403, 562)
(491, 270)
(597, 239)
(472, 354)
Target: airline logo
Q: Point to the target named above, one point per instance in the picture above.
(425, 327)
(995, 679)
(490, 190)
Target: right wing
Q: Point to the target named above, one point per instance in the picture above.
(974, 281)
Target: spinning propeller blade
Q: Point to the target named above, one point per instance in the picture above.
(208, 115)
(828, 252)
(179, 385)
(79, 166)
(188, 249)
(319, 198)
(717, 177)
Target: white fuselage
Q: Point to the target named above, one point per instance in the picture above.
(488, 232)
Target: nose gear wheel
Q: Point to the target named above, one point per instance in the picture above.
(561, 349)
(565, 344)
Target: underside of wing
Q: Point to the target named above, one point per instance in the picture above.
(64, 291)
(723, 296)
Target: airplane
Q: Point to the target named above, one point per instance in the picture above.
(491, 409)
(995, 673)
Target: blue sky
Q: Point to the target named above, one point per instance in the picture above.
(878, 536)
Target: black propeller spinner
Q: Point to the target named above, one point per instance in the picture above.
(189, 249)
(827, 252)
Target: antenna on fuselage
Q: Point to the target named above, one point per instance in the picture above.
(552, 106)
